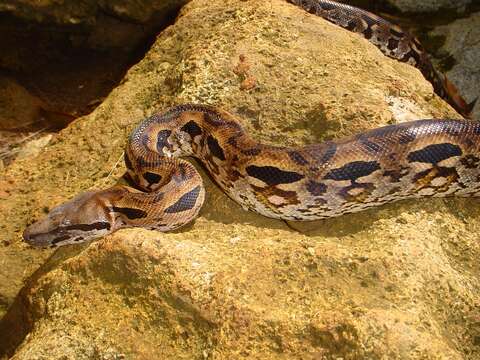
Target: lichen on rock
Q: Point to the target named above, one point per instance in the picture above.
(400, 281)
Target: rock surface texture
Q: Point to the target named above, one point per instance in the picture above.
(397, 282)
(72, 12)
(462, 45)
(428, 6)
(18, 108)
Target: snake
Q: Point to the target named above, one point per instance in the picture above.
(416, 159)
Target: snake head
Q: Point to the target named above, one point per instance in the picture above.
(80, 219)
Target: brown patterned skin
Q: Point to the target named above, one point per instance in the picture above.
(392, 40)
(424, 158)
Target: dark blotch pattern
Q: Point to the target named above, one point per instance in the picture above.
(435, 153)
(162, 139)
(316, 188)
(60, 239)
(476, 127)
(392, 44)
(145, 140)
(215, 148)
(411, 55)
(101, 225)
(368, 33)
(271, 175)
(130, 213)
(289, 197)
(212, 118)
(353, 170)
(395, 175)
(192, 129)
(183, 171)
(186, 202)
(297, 158)
(128, 162)
(345, 192)
(351, 25)
(425, 178)
(152, 178)
(470, 161)
(369, 145)
(396, 33)
(252, 152)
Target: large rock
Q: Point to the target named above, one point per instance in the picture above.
(461, 49)
(428, 6)
(73, 12)
(400, 281)
(18, 108)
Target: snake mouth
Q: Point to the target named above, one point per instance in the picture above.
(41, 240)
(63, 235)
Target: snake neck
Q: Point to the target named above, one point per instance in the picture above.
(211, 135)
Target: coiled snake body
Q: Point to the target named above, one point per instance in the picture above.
(424, 158)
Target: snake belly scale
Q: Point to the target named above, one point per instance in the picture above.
(423, 158)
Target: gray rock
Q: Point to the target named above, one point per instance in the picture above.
(417, 6)
(462, 43)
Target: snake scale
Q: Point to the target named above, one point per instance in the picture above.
(423, 158)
